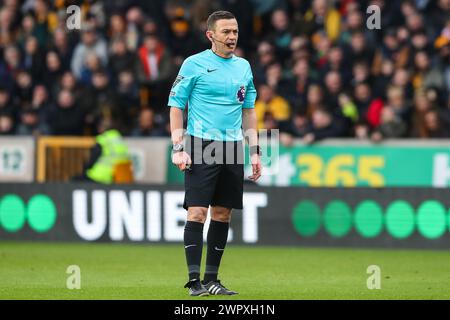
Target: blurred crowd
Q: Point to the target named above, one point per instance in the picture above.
(319, 70)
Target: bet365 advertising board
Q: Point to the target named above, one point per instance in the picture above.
(353, 165)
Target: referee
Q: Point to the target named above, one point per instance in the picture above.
(218, 89)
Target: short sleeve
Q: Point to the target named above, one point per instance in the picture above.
(183, 85)
(250, 96)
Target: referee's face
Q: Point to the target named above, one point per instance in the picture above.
(225, 36)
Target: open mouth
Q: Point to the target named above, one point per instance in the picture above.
(231, 45)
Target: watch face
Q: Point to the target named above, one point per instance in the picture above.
(177, 147)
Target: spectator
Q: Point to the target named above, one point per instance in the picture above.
(155, 70)
(90, 44)
(299, 50)
(359, 49)
(40, 101)
(314, 99)
(348, 107)
(23, 92)
(392, 126)
(91, 65)
(296, 90)
(383, 78)
(403, 78)
(135, 20)
(68, 82)
(270, 102)
(33, 59)
(419, 42)
(298, 127)
(66, 117)
(29, 30)
(265, 57)
(397, 101)
(362, 130)
(269, 122)
(363, 99)
(426, 75)
(182, 42)
(333, 87)
(9, 67)
(433, 125)
(354, 23)
(442, 44)
(121, 58)
(322, 127)
(274, 75)
(7, 28)
(46, 20)
(146, 126)
(31, 123)
(101, 103)
(6, 124)
(322, 46)
(117, 26)
(61, 45)
(321, 17)
(155, 60)
(127, 97)
(440, 14)
(334, 61)
(281, 36)
(360, 73)
(421, 106)
(54, 70)
(7, 105)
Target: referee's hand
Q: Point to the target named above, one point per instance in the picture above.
(256, 166)
(182, 160)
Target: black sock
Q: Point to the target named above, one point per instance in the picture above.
(217, 240)
(193, 245)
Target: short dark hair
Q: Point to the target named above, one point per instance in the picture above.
(218, 15)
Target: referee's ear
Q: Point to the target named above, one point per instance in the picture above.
(208, 34)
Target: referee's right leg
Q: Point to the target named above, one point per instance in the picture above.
(200, 184)
(193, 240)
(193, 246)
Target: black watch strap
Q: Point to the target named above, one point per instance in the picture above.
(255, 150)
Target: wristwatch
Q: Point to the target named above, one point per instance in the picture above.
(177, 147)
(255, 150)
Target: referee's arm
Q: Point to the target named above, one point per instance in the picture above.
(249, 124)
(176, 125)
(179, 95)
(181, 159)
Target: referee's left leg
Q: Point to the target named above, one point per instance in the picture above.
(217, 240)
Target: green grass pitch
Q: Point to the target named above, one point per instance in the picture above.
(131, 271)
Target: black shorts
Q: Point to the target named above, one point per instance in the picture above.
(216, 176)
